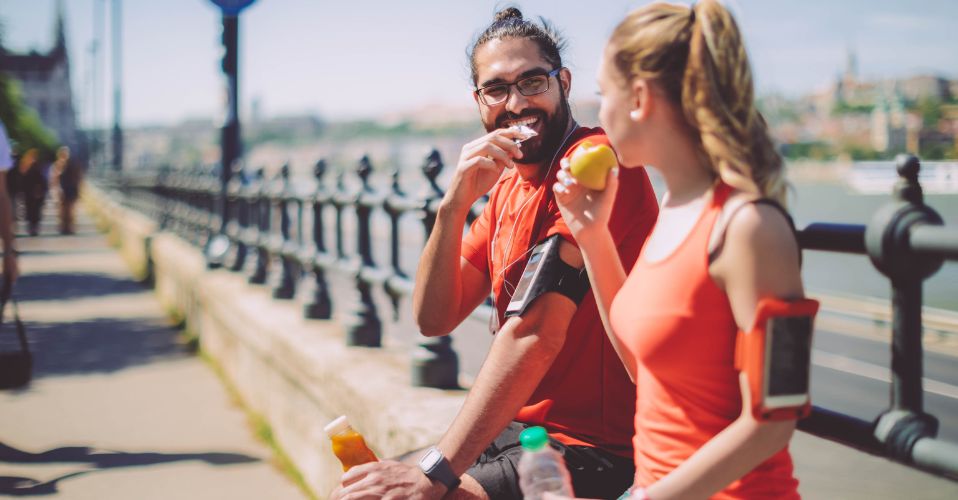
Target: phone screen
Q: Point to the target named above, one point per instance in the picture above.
(535, 260)
(789, 355)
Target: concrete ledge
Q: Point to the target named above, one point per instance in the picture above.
(128, 230)
(297, 374)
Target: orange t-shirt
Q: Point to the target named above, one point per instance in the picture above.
(678, 323)
(586, 396)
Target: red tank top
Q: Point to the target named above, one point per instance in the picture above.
(678, 323)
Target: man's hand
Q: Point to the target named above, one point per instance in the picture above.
(389, 480)
(480, 165)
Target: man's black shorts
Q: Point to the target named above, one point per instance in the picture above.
(595, 473)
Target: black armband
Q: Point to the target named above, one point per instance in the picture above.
(546, 272)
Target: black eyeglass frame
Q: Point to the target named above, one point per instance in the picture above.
(482, 95)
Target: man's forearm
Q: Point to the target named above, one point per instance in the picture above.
(519, 358)
(438, 278)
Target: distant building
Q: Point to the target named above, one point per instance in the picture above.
(921, 87)
(45, 80)
(888, 127)
(886, 115)
(849, 89)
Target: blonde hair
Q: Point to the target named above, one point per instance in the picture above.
(697, 57)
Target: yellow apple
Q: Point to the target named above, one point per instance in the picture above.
(590, 164)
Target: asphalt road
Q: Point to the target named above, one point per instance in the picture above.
(851, 374)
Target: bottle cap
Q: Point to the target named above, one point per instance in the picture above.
(534, 438)
(336, 426)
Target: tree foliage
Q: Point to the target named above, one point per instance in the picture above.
(930, 110)
(24, 127)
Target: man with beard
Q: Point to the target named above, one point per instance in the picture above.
(551, 364)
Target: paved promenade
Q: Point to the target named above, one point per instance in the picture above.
(119, 407)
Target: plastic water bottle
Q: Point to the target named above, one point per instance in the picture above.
(541, 468)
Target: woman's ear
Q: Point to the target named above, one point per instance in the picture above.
(565, 79)
(642, 100)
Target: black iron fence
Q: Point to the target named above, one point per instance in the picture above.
(274, 229)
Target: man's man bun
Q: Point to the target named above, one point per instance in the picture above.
(509, 23)
(507, 14)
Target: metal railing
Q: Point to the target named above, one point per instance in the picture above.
(906, 241)
(275, 229)
(280, 226)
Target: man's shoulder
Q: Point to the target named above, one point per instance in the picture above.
(595, 135)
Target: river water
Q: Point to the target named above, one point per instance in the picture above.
(854, 274)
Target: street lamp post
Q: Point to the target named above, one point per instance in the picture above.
(231, 144)
(117, 100)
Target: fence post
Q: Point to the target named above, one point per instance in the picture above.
(289, 269)
(366, 330)
(209, 193)
(887, 242)
(239, 222)
(321, 306)
(220, 244)
(394, 207)
(261, 207)
(434, 362)
(164, 196)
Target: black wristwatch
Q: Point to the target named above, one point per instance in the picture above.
(435, 466)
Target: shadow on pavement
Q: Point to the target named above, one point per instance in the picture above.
(63, 286)
(96, 460)
(101, 345)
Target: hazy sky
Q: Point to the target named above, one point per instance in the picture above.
(363, 58)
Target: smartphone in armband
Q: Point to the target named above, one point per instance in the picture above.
(542, 255)
(776, 358)
(546, 272)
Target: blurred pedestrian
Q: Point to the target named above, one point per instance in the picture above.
(32, 184)
(6, 209)
(66, 179)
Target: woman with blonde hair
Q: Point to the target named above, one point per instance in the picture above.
(677, 95)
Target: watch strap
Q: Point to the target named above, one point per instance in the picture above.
(439, 469)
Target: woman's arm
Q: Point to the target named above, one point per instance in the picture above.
(760, 259)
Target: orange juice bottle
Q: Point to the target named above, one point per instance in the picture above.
(348, 444)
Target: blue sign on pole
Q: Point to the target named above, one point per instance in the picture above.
(232, 7)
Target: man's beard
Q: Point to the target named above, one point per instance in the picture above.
(543, 146)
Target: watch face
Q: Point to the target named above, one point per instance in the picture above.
(435, 466)
(430, 459)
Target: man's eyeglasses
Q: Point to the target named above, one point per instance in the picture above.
(528, 86)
